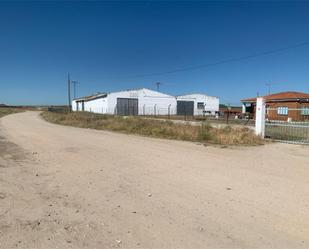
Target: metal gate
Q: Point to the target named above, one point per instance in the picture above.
(185, 108)
(127, 106)
(288, 131)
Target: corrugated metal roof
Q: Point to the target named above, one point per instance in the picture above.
(145, 90)
(102, 95)
(195, 94)
(91, 97)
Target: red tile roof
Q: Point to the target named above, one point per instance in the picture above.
(281, 96)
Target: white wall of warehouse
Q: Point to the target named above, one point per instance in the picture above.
(74, 109)
(211, 104)
(149, 102)
(98, 105)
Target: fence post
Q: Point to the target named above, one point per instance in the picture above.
(243, 108)
(169, 111)
(260, 117)
(228, 112)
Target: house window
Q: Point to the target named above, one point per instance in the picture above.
(283, 110)
(305, 111)
(200, 105)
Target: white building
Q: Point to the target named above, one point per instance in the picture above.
(197, 104)
(131, 102)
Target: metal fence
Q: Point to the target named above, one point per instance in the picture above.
(170, 112)
(161, 111)
(144, 110)
(286, 130)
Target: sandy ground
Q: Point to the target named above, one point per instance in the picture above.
(64, 187)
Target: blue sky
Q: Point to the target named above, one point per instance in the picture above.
(105, 44)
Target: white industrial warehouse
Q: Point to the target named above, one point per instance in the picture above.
(197, 104)
(147, 102)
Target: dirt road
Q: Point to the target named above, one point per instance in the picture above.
(64, 187)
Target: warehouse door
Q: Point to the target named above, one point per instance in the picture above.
(185, 108)
(127, 106)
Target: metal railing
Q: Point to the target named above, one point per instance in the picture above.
(294, 128)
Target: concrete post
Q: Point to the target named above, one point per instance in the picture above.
(243, 108)
(260, 117)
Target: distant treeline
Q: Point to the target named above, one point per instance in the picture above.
(58, 109)
(32, 107)
(14, 106)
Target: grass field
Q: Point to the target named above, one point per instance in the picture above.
(156, 128)
(6, 111)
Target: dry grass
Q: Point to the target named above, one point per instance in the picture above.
(7, 110)
(156, 128)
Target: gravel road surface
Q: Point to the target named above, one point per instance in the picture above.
(65, 187)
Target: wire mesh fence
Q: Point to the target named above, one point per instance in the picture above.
(161, 111)
(288, 125)
(167, 111)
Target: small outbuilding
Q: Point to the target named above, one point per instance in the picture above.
(130, 102)
(197, 104)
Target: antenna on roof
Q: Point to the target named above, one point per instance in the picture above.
(268, 85)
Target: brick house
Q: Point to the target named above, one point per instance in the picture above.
(283, 106)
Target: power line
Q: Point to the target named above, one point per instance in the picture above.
(268, 52)
(74, 83)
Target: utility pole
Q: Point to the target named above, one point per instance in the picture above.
(69, 92)
(158, 85)
(74, 83)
